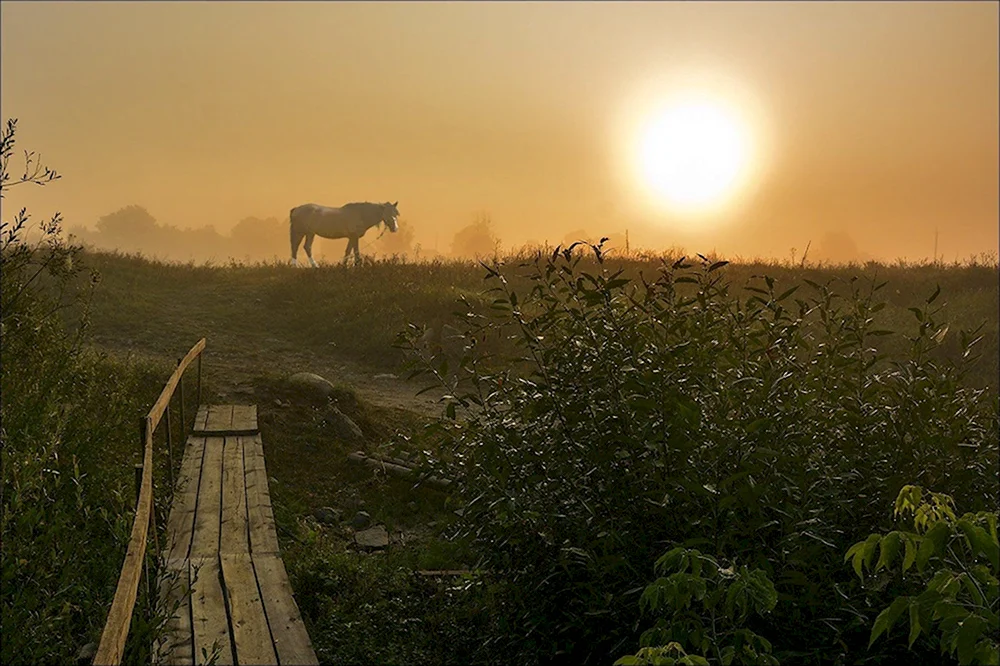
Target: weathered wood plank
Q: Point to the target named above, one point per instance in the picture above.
(205, 540)
(180, 524)
(289, 633)
(251, 635)
(263, 537)
(220, 418)
(233, 535)
(200, 419)
(245, 418)
(210, 627)
(175, 646)
(112, 644)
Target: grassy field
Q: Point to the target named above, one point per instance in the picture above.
(345, 320)
(265, 322)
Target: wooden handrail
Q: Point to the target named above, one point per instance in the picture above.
(116, 628)
(160, 406)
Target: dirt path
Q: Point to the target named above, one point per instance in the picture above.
(233, 371)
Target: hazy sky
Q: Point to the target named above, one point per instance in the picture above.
(879, 120)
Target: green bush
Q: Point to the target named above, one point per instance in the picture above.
(757, 422)
(706, 606)
(956, 560)
(68, 420)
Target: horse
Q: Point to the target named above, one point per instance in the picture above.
(350, 221)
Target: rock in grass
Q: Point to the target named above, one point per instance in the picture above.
(313, 384)
(374, 538)
(327, 515)
(343, 425)
(86, 655)
(361, 520)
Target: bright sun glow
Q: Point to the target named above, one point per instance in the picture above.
(693, 155)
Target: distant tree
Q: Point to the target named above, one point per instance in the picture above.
(476, 240)
(258, 238)
(837, 247)
(129, 229)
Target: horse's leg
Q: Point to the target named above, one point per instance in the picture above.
(347, 250)
(309, 248)
(357, 254)
(296, 238)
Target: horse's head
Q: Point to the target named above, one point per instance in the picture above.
(390, 215)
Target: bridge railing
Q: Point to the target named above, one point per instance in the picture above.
(116, 627)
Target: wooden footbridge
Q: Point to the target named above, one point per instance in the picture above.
(223, 583)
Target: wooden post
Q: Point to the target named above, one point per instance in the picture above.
(170, 449)
(180, 386)
(138, 482)
(199, 380)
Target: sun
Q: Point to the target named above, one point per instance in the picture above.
(693, 155)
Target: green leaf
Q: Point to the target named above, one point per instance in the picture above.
(888, 549)
(980, 540)
(968, 635)
(869, 551)
(910, 541)
(787, 293)
(914, 621)
(970, 586)
(932, 544)
(937, 292)
(888, 617)
(857, 552)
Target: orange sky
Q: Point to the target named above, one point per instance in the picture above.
(876, 120)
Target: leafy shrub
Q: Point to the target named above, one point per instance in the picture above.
(758, 422)
(726, 596)
(956, 559)
(67, 420)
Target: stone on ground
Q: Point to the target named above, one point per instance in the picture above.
(373, 537)
(313, 383)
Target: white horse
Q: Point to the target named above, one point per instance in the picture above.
(350, 221)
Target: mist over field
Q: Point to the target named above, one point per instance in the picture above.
(485, 333)
(863, 131)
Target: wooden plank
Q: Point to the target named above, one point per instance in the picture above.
(263, 537)
(245, 418)
(205, 540)
(220, 418)
(200, 419)
(112, 644)
(224, 420)
(251, 635)
(176, 647)
(160, 406)
(209, 620)
(180, 524)
(233, 536)
(287, 629)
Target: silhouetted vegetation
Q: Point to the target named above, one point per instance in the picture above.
(69, 432)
